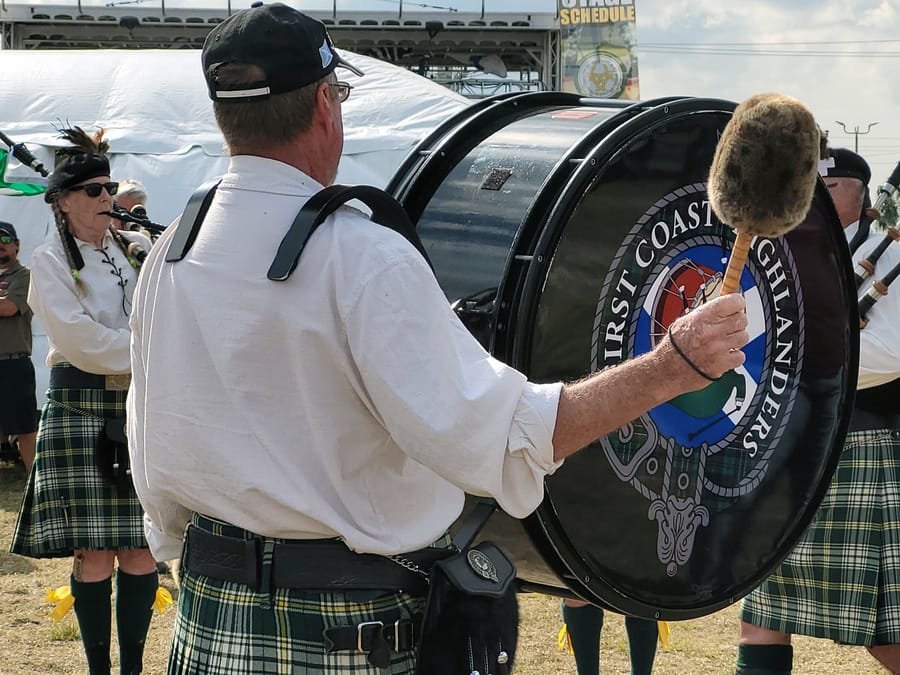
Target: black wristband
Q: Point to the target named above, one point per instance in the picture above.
(684, 356)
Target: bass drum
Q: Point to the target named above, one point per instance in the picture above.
(569, 233)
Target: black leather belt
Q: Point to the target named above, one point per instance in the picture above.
(10, 357)
(70, 377)
(868, 420)
(316, 564)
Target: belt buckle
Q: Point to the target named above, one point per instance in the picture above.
(118, 382)
(359, 634)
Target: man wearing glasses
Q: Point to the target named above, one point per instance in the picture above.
(840, 580)
(18, 403)
(294, 434)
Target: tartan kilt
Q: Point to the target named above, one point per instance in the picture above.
(841, 581)
(226, 628)
(68, 504)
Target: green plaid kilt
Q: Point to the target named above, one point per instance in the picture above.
(68, 504)
(842, 581)
(226, 628)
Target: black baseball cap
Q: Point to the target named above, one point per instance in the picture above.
(848, 164)
(7, 228)
(291, 48)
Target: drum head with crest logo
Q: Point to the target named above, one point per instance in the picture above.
(568, 234)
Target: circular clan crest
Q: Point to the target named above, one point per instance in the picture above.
(696, 454)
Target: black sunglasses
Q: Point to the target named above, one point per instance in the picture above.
(6, 239)
(94, 189)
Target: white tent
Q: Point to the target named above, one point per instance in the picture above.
(159, 122)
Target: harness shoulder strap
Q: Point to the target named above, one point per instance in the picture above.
(386, 211)
(190, 221)
(471, 524)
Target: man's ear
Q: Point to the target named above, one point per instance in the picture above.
(326, 106)
(324, 99)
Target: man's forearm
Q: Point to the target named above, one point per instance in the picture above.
(607, 400)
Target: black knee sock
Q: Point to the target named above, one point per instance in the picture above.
(584, 625)
(94, 613)
(642, 637)
(765, 660)
(135, 594)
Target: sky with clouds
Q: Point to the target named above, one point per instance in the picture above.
(840, 57)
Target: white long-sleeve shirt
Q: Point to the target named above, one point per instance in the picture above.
(86, 320)
(879, 341)
(347, 401)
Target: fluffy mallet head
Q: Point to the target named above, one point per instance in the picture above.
(764, 171)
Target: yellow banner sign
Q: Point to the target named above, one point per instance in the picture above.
(597, 42)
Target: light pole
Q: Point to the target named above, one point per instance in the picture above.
(856, 132)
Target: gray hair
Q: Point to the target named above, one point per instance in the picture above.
(131, 187)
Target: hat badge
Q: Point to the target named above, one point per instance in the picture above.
(325, 54)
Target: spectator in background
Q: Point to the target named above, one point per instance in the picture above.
(18, 404)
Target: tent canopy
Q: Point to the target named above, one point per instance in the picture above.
(161, 129)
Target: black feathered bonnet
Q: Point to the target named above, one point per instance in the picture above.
(86, 158)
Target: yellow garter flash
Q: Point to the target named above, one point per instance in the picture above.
(163, 600)
(63, 599)
(564, 640)
(664, 631)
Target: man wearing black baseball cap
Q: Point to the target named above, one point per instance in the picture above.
(18, 403)
(291, 436)
(289, 49)
(848, 183)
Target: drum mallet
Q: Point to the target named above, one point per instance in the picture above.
(763, 174)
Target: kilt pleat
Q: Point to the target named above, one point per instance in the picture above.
(842, 580)
(224, 627)
(68, 504)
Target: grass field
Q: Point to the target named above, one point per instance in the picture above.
(32, 644)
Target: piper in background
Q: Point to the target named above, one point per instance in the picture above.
(79, 499)
(840, 582)
(132, 193)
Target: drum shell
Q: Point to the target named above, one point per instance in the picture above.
(528, 206)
